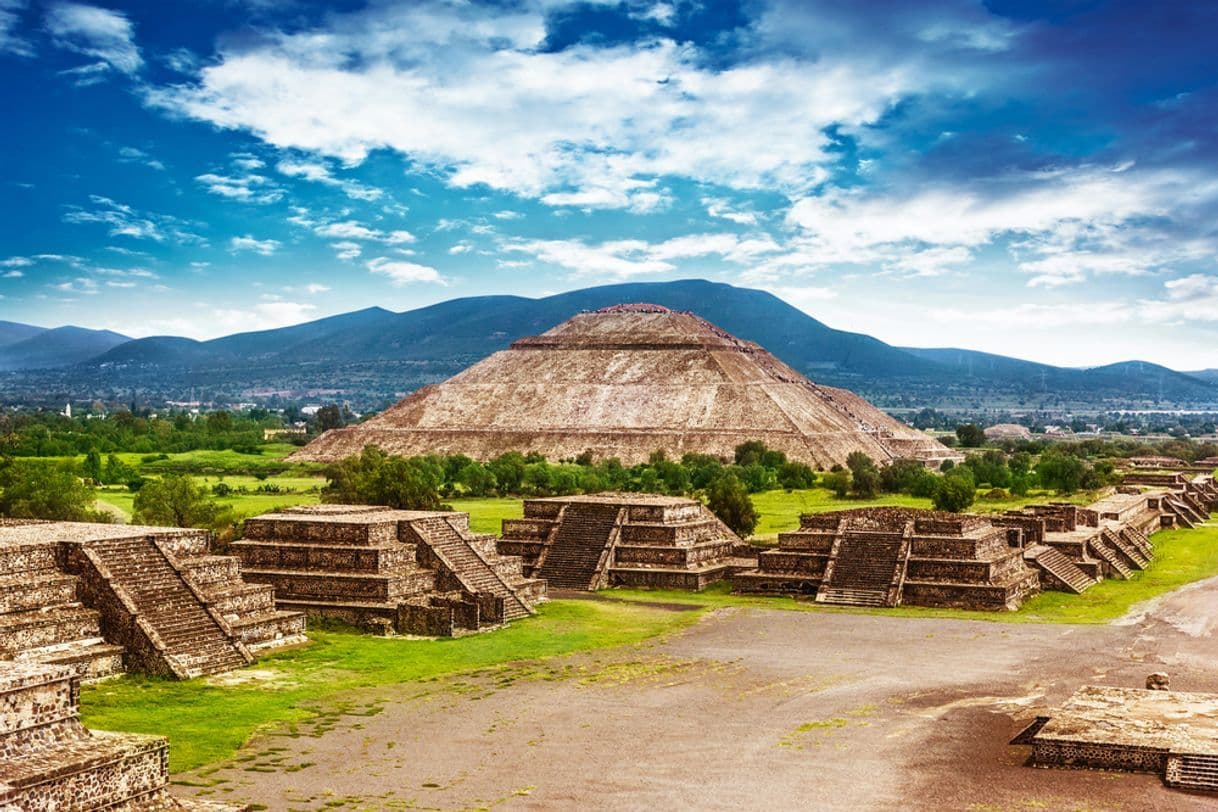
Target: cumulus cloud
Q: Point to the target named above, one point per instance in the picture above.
(248, 243)
(249, 188)
(353, 230)
(626, 258)
(468, 93)
(400, 272)
(99, 33)
(318, 172)
(10, 17)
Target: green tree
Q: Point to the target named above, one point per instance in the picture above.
(954, 494)
(970, 435)
(31, 489)
(1062, 472)
(728, 499)
(375, 478)
(176, 500)
(750, 452)
(329, 417)
(796, 476)
(93, 465)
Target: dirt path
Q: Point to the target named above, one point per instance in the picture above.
(747, 709)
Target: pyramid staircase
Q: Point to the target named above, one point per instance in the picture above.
(863, 567)
(1132, 553)
(42, 621)
(1140, 540)
(186, 636)
(578, 555)
(1116, 565)
(1061, 569)
(1196, 771)
(463, 561)
(50, 762)
(1184, 513)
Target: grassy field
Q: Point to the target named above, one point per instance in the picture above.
(487, 515)
(206, 722)
(294, 489)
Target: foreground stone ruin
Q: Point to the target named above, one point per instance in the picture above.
(623, 382)
(621, 539)
(1169, 733)
(895, 556)
(413, 572)
(99, 598)
(49, 761)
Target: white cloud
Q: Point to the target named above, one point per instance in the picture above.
(96, 32)
(588, 126)
(134, 155)
(625, 258)
(10, 17)
(460, 248)
(126, 221)
(352, 230)
(250, 188)
(318, 172)
(248, 243)
(402, 273)
(314, 288)
(347, 250)
(718, 207)
(264, 315)
(16, 262)
(13, 274)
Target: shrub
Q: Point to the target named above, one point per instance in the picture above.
(954, 494)
(728, 499)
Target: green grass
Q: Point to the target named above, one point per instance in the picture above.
(294, 490)
(1181, 557)
(487, 515)
(207, 723)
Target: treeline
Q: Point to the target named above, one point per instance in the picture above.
(972, 435)
(47, 434)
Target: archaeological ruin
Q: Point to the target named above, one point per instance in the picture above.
(895, 556)
(49, 761)
(411, 572)
(1173, 734)
(622, 539)
(892, 556)
(623, 382)
(101, 598)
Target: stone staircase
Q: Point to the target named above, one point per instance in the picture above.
(862, 568)
(248, 608)
(1061, 569)
(1196, 771)
(468, 567)
(1132, 554)
(1140, 540)
(193, 639)
(1184, 513)
(42, 621)
(1116, 565)
(576, 557)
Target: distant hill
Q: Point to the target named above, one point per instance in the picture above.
(1210, 375)
(60, 347)
(373, 356)
(1139, 378)
(12, 332)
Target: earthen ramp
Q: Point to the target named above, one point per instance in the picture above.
(623, 382)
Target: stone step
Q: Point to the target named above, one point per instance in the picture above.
(36, 589)
(1060, 567)
(89, 659)
(852, 597)
(35, 628)
(83, 774)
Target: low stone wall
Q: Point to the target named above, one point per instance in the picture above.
(1129, 758)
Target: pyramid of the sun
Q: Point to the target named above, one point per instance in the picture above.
(623, 382)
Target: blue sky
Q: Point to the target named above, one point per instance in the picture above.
(1037, 180)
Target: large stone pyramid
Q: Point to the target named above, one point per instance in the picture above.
(623, 382)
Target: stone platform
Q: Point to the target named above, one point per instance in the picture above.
(411, 572)
(50, 762)
(1173, 734)
(622, 539)
(895, 556)
(102, 597)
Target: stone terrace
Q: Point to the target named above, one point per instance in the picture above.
(98, 597)
(622, 539)
(49, 761)
(1173, 734)
(413, 572)
(894, 556)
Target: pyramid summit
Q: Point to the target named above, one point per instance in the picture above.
(624, 381)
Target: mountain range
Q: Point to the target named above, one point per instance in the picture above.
(374, 355)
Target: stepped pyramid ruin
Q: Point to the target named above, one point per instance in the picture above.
(49, 761)
(623, 382)
(410, 571)
(622, 539)
(98, 598)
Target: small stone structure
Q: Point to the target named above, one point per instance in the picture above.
(622, 539)
(414, 572)
(1171, 733)
(101, 597)
(894, 556)
(49, 761)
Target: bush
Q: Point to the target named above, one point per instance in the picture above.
(728, 499)
(178, 501)
(838, 482)
(796, 476)
(954, 494)
(39, 490)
